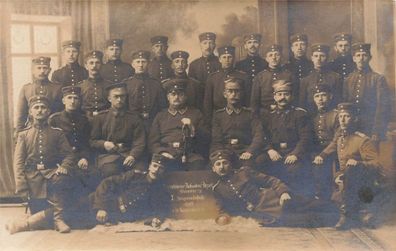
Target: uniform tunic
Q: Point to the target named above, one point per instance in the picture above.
(299, 68)
(160, 68)
(194, 92)
(116, 71)
(94, 96)
(252, 65)
(325, 125)
(343, 65)
(70, 74)
(202, 67)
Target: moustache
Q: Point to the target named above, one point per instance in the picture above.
(282, 100)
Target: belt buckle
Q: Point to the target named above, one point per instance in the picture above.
(176, 144)
(95, 113)
(145, 115)
(283, 145)
(234, 141)
(40, 166)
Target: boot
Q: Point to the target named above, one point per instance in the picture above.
(346, 220)
(16, 226)
(34, 222)
(59, 223)
(368, 220)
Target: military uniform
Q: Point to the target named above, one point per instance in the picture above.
(194, 91)
(70, 74)
(252, 65)
(126, 130)
(116, 71)
(202, 67)
(343, 64)
(236, 131)
(300, 68)
(94, 96)
(160, 68)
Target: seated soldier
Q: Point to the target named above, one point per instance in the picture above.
(118, 135)
(360, 171)
(246, 192)
(235, 129)
(176, 131)
(325, 125)
(42, 161)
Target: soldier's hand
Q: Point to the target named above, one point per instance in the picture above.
(109, 146)
(61, 170)
(101, 216)
(245, 156)
(283, 198)
(83, 163)
(351, 162)
(291, 159)
(274, 155)
(167, 155)
(156, 223)
(318, 160)
(129, 161)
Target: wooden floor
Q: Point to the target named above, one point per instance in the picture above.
(383, 238)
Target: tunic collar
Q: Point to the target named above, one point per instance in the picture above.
(180, 111)
(230, 110)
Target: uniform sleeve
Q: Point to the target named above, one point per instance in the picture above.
(330, 148)
(22, 110)
(255, 97)
(203, 131)
(302, 99)
(154, 140)
(208, 100)
(66, 152)
(217, 135)
(96, 140)
(246, 91)
(257, 137)
(191, 71)
(383, 108)
(267, 181)
(369, 155)
(85, 149)
(106, 194)
(337, 92)
(139, 139)
(20, 156)
(56, 77)
(305, 133)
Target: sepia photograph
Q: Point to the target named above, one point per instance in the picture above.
(197, 125)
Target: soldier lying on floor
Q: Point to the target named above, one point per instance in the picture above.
(248, 193)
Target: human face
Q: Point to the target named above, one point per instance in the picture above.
(179, 66)
(361, 59)
(207, 47)
(273, 58)
(226, 61)
(159, 50)
(176, 99)
(299, 49)
(40, 72)
(155, 170)
(140, 65)
(71, 102)
(232, 92)
(113, 52)
(342, 47)
(39, 112)
(117, 98)
(93, 66)
(70, 55)
(221, 167)
(322, 100)
(319, 59)
(252, 46)
(282, 98)
(345, 119)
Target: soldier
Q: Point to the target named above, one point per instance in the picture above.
(253, 63)
(145, 94)
(194, 89)
(214, 88)
(370, 93)
(319, 75)
(201, 67)
(343, 63)
(325, 126)
(234, 128)
(298, 64)
(77, 129)
(115, 70)
(40, 86)
(177, 131)
(160, 65)
(359, 175)
(43, 160)
(72, 72)
(118, 135)
(93, 93)
(134, 196)
(262, 96)
(289, 134)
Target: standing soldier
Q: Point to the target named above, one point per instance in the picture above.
(145, 94)
(72, 72)
(214, 88)
(177, 131)
(360, 171)
(118, 135)
(160, 65)
(343, 63)
(115, 70)
(253, 63)
(93, 92)
(369, 91)
(194, 89)
(262, 96)
(40, 86)
(289, 134)
(234, 128)
(43, 160)
(298, 64)
(321, 74)
(202, 67)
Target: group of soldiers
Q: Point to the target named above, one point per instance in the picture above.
(110, 130)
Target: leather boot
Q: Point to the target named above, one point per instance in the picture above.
(59, 223)
(16, 226)
(346, 220)
(34, 222)
(368, 220)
